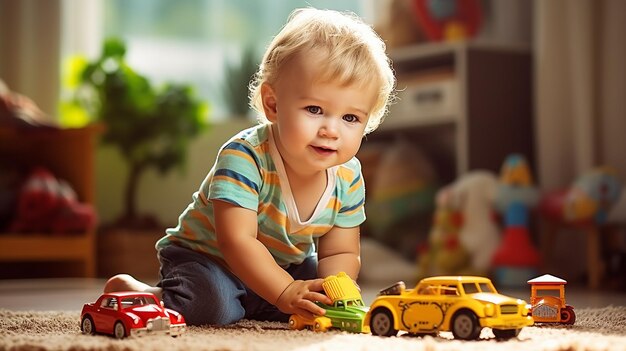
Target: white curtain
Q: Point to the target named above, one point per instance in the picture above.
(580, 87)
(30, 51)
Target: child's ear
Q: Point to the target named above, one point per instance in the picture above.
(268, 97)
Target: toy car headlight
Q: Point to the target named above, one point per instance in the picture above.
(490, 310)
(135, 318)
(526, 309)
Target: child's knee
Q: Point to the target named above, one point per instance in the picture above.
(203, 294)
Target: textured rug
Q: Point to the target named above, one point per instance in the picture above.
(595, 329)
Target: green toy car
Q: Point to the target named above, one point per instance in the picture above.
(346, 313)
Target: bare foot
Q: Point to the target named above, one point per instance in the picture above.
(125, 282)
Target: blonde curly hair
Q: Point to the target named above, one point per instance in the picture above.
(354, 54)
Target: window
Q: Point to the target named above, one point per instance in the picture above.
(548, 292)
(484, 287)
(191, 41)
(449, 290)
(109, 302)
(428, 290)
(470, 288)
(134, 301)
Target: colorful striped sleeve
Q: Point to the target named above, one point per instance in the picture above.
(236, 176)
(351, 192)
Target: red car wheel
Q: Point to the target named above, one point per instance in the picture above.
(87, 326)
(119, 331)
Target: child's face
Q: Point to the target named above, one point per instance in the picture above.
(317, 124)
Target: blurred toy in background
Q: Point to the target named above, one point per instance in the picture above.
(50, 205)
(398, 26)
(464, 233)
(583, 207)
(401, 198)
(19, 111)
(448, 20)
(36, 202)
(473, 194)
(589, 199)
(517, 259)
(547, 298)
(444, 254)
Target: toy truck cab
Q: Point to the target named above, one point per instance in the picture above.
(547, 299)
(346, 313)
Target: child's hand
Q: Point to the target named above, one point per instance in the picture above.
(298, 298)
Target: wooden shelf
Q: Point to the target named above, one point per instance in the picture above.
(50, 247)
(69, 155)
(468, 105)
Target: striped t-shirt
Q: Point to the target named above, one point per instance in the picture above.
(249, 173)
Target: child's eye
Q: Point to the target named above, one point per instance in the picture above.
(350, 118)
(316, 110)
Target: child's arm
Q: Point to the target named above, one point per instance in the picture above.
(339, 250)
(250, 261)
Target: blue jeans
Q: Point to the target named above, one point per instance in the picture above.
(205, 292)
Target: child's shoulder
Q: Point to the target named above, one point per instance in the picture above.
(254, 136)
(353, 164)
(350, 170)
(248, 145)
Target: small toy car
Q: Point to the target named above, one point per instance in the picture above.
(346, 313)
(129, 313)
(547, 297)
(461, 304)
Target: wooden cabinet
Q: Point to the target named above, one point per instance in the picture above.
(69, 154)
(466, 105)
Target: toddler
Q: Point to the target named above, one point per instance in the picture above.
(281, 207)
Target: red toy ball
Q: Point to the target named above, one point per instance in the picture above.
(448, 19)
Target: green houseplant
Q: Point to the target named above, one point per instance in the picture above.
(237, 79)
(150, 127)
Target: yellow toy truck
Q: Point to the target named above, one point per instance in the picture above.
(463, 305)
(547, 299)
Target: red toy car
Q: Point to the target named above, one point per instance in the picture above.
(128, 313)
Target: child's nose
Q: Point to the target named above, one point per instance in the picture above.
(329, 128)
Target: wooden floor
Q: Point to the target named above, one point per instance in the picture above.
(69, 294)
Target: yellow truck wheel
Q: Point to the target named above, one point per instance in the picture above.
(321, 324)
(295, 323)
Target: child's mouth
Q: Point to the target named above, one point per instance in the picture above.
(323, 151)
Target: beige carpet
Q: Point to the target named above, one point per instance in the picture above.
(595, 329)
